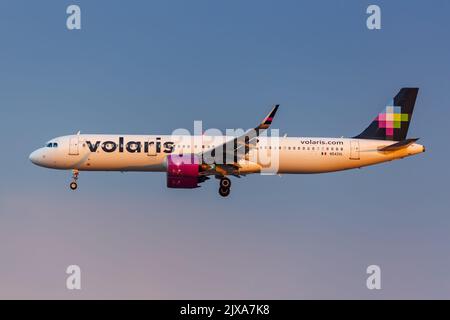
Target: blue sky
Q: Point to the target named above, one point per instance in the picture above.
(147, 67)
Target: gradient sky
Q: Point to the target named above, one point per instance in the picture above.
(148, 67)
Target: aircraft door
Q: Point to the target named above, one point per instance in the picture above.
(354, 150)
(73, 146)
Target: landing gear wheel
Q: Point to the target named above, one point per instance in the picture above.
(73, 184)
(224, 192)
(225, 183)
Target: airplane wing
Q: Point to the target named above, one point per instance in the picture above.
(237, 148)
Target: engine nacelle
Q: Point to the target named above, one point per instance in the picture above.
(183, 171)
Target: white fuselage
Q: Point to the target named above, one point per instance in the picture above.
(148, 153)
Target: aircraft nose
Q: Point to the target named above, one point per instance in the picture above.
(33, 157)
(36, 157)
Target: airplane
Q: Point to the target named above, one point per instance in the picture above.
(189, 161)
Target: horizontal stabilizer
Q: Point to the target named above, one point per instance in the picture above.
(398, 145)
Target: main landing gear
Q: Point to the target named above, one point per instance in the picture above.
(225, 185)
(73, 184)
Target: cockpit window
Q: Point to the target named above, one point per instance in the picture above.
(52, 145)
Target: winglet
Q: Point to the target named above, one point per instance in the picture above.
(265, 124)
(398, 145)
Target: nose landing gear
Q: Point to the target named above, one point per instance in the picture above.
(225, 185)
(73, 184)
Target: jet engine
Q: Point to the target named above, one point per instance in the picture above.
(183, 171)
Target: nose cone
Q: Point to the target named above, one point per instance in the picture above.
(36, 157)
(33, 157)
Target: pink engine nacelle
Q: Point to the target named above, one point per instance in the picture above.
(183, 171)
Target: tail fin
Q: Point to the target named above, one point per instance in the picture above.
(393, 122)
